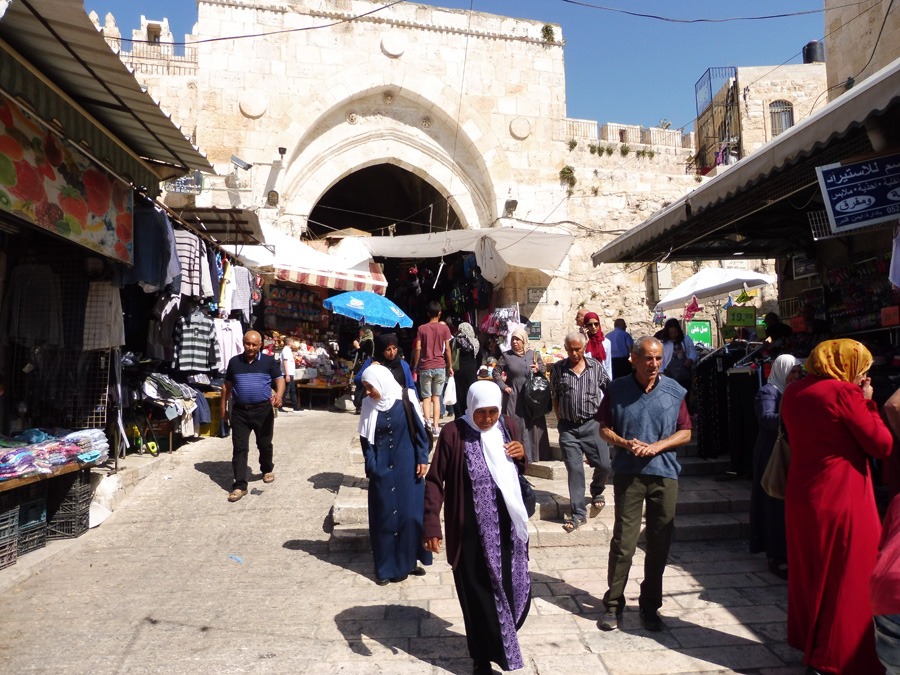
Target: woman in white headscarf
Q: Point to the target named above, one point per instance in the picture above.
(395, 448)
(475, 471)
(767, 525)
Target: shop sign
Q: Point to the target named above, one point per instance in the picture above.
(46, 181)
(190, 184)
(741, 316)
(861, 193)
(700, 332)
(537, 295)
(534, 330)
(890, 316)
(804, 267)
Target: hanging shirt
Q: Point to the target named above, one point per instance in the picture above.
(104, 323)
(32, 309)
(230, 336)
(188, 246)
(196, 345)
(242, 297)
(206, 288)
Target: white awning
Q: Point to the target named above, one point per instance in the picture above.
(519, 246)
(289, 259)
(849, 111)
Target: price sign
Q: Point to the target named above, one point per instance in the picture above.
(741, 316)
(890, 316)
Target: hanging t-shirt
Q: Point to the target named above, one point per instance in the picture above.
(432, 340)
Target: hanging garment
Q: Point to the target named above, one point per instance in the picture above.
(206, 288)
(104, 325)
(242, 297)
(32, 309)
(230, 336)
(188, 247)
(151, 251)
(227, 291)
(196, 345)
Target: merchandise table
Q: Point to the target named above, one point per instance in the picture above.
(322, 390)
(58, 471)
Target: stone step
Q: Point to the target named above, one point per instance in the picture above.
(596, 532)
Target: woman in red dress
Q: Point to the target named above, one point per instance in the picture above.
(833, 527)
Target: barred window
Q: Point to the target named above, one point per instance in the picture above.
(782, 116)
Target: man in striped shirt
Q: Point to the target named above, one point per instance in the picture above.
(576, 385)
(250, 378)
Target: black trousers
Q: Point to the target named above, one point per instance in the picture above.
(260, 419)
(290, 396)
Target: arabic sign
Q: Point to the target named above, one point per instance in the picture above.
(861, 193)
(46, 181)
(700, 332)
(190, 184)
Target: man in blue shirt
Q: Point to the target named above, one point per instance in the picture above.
(622, 345)
(644, 415)
(250, 378)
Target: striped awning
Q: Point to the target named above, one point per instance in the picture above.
(374, 281)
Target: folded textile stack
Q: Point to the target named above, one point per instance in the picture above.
(90, 441)
(56, 452)
(21, 462)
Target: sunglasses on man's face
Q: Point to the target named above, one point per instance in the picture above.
(592, 324)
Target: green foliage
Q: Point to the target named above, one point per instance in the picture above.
(572, 144)
(547, 33)
(651, 153)
(624, 150)
(610, 150)
(593, 148)
(665, 124)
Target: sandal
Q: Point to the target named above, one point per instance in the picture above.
(236, 495)
(572, 524)
(598, 502)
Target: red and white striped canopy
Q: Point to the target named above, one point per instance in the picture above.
(374, 281)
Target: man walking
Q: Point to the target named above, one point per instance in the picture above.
(576, 387)
(289, 369)
(250, 377)
(622, 344)
(433, 346)
(646, 417)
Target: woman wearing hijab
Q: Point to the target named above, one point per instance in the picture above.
(387, 354)
(465, 373)
(832, 524)
(396, 459)
(679, 355)
(475, 472)
(511, 372)
(598, 346)
(767, 513)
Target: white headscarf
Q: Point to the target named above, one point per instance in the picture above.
(382, 380)
(780, 369)
(486, 394)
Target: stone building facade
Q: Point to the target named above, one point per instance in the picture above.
(470, 106)
(854, 48)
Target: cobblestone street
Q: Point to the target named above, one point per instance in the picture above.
(180, 581)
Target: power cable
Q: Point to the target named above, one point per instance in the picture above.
(703, 20)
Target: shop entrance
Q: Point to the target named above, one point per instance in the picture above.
(383, 199)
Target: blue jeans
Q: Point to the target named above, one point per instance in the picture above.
(887, 642)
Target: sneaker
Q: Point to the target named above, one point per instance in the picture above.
(299, 410)
(651, 620)
(435, 431)
(609, 621)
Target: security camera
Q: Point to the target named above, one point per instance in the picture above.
(241, 164)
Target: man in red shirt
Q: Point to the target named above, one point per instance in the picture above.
(433, 346)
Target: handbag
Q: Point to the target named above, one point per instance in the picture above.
(774, 478)
(536, 395)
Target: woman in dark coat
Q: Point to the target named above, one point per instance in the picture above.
(396, 459)
(767, 513)
(476, 472)
(387, 354)
(465, 373)
(517, 365)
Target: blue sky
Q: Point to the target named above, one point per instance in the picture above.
(619, 68)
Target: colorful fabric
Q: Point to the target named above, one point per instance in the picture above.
(842, 360)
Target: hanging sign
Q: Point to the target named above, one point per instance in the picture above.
(861, 193)
(534, 330)
(190, 184)
(741, 316)
(46, 181)
(700, 332)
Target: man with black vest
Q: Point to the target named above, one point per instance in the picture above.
(250, 378)
(643, 415)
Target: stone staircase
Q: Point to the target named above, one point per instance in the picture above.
(710, 504)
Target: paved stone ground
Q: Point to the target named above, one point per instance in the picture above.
(180, 581)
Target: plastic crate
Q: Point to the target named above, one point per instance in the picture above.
(9, 550)
(68, 526)
(9, 523)
(32, 512)
(32, 538)
(78, 499)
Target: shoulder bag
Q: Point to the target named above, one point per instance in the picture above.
(536, 394)
(411, 419)
(774, 478)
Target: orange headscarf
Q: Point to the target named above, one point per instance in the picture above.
(839, 359)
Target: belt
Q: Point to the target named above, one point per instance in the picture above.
(248, 406)
(579, 422)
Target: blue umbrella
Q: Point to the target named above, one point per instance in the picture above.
(369, 308)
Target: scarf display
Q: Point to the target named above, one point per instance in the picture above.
(780, 369)
(841, 360)
(486, 394)
(594, 345)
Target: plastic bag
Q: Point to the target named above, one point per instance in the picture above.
(450, 392)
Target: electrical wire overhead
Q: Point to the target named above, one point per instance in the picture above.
(702, 20)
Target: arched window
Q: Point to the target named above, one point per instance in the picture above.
(782, 116)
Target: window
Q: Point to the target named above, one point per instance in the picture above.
(782, 116)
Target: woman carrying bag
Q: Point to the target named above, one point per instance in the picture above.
(511, 374)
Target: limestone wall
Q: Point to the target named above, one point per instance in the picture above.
(852, 30)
